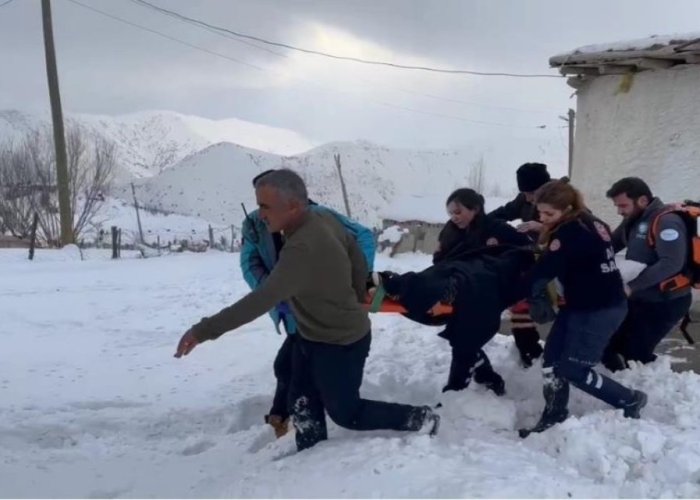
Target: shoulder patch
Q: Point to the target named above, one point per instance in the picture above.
(643, 228)
(491, 242)
(554, 245)
(669, 235)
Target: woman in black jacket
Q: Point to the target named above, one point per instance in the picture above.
(469, 231)
(470, 228)
(579, 253)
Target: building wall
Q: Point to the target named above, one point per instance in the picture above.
(651, 131)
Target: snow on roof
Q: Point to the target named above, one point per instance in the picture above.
(428, 209)
(654, 52)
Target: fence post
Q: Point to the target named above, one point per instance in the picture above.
(115, 254)
(32, 240)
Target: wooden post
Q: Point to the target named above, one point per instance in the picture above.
(336, 157)
(138, 217)
(59, 135)
(115, 243)
(211, 237)
(572, 123)
(119, 243)
(233, 238)
(32, 239)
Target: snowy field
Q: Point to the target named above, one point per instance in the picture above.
(169, 227)
(93, 404)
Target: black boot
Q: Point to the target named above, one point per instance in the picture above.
(527, 340)
(556, 397)
(424, 420)
(460, 373)
(485, 375)
(633, 409)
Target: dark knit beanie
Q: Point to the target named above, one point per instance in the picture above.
(531, 176)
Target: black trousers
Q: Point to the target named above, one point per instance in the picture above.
(283, 375)
(327, 378)
(645, 326)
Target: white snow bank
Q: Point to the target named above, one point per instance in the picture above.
(392, 234)
(94, 404)
(169, 227)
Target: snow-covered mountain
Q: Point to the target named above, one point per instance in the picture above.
(203, 168)
(151, 141)
(214, 182)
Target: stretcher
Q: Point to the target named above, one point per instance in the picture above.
(378, 302)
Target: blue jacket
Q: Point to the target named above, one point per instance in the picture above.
(258, 256)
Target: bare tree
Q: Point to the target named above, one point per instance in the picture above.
(28, 182)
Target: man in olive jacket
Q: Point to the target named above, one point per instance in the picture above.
(322, 273)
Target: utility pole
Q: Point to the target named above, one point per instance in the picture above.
(138, 216)
(59, 136)
(336, 157)
(571, 120)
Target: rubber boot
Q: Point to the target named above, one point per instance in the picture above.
(556, 398)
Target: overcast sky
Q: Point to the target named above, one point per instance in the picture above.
(109, 67)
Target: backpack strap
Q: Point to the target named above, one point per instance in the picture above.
(654, 226)
(681, 280)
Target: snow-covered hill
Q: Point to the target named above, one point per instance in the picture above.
(202, 168)
(213, 183)
(151, 141)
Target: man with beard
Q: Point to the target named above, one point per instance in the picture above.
(656, 303)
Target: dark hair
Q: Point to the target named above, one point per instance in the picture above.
(471, 200)
(287, 182)
(468, 198)
(259, 176)
(560, 195)
(633, 187)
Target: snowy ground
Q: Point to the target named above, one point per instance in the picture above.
(169, 227)
(92, 403)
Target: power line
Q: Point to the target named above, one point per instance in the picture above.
(8, 2)
(405, 91)
(334, 56)
(238, 61)
(168, 37)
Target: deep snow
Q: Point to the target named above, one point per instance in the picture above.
(94, 404)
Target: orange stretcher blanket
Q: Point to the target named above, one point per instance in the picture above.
(391, 306)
